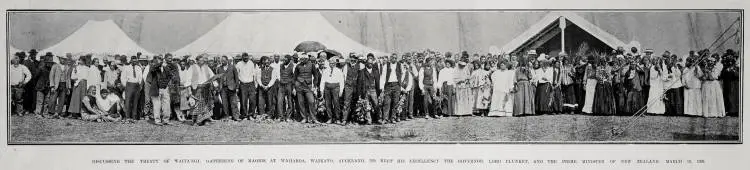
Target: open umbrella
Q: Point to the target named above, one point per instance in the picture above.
(331, 53)
(309, 46)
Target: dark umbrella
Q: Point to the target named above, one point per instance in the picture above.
(309, 46)
(331, 53)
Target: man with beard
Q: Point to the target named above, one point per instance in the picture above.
(427, 77)
(247, 72)
(284, 97)
(19, 76)
(42, 86)
(228, 85)
(390, 82)
(304, 74)
(351, 76)
(267, 92)
(58, 86)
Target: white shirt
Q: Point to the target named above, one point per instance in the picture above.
(335, 76)
(186, 76)
(201, 75)
(80, 72)
(19, 74)
(247, 71)
(546, 73)
(127, 76)
(676, 78)
(94, 77)
(446, 76)
(391, 78)
(107, 103)
(146, 70)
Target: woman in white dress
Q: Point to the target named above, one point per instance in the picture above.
(713, 98)
(691, 78)
(655, 102)
(589, 86)
(502, 86)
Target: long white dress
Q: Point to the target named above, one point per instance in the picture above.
(713, 98)
(693, 102)
(590, 88)
(655, 104)
(502, 98)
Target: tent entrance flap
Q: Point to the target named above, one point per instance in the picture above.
(574, 37)
(548, 41)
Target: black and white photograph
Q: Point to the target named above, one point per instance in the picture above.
(249, 76)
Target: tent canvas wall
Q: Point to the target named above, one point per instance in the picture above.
(272, 32)
(97, 37)
(677, 31)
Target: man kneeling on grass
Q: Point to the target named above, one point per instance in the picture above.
(93, 109)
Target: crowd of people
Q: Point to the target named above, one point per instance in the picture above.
(321, 86)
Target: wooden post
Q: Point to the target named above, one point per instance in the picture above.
(562, 25)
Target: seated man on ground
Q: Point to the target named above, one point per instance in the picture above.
(91, 110)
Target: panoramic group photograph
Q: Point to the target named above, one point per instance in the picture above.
(324, 76)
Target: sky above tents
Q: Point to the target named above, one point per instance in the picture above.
(161, 32)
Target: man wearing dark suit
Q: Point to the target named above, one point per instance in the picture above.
(367, 84)
(228, 84)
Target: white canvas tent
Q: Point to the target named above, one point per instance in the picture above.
(99, 38)
(539, 32)
(272, 32)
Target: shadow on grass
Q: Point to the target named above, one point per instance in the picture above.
(381, 133)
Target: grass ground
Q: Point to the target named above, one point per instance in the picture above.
(550, 128)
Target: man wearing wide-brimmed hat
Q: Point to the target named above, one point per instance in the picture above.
(42, 86)
(58, 87)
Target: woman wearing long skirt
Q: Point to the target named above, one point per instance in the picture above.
(570, 99)
(464, 98)
(713, 99)
(590, 87)
(604, 98)
(523, 99)
(730, 83)
(202, 91)
(655, 100)
(674, 102)
(691, 78)
(482, 88)
(544, 76)
(80, 74)
(502, 86)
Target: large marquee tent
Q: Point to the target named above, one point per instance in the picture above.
(272, 33)
(99, 38)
